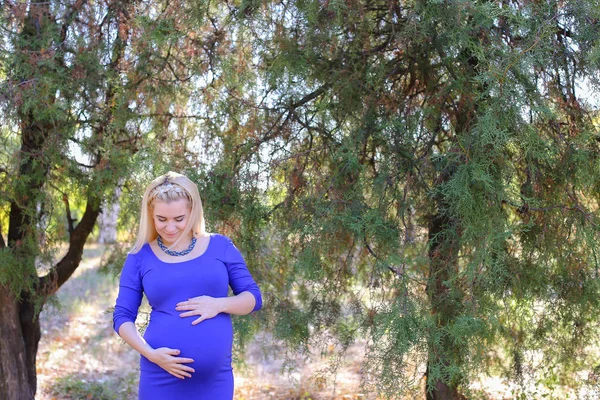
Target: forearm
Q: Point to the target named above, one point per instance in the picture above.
(241, 304)
(132, 337)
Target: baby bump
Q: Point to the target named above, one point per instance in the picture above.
(207, 343)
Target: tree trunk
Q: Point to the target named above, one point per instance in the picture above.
(108, 219)
(25, 292)
(19, 318)
(19, 323)
(446, 302)
(443, 391)
(20, 332)
(15, 381)
(30, 329)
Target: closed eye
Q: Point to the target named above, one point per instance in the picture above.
(178, 218)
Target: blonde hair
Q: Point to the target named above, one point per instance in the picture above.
(169, 187)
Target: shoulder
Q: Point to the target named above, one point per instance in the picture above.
(141, 252)
(219, 238)
(224, 246)
(132, 269)
(138, 257)
(133, 257)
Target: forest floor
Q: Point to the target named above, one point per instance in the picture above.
(80, 357)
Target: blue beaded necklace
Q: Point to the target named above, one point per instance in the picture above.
(175, 253)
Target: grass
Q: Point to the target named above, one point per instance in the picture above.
(84, 387)
(80, 357)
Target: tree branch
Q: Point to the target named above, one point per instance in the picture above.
(2, 242)
(524, 208)
(69, 18)
(70, 219)
(309, 97)
(398, 272)
(174, 116)
(62, 271)
(85, 165)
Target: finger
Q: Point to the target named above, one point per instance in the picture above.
(182, 374)
(176, 375)
(184, 308)
(189, 301)
(198, 320)
(185, 368)
(173, 352)
(190, 313)
(183, 360)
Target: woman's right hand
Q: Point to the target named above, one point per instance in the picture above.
(167, 359)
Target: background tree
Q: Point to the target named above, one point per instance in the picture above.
(430, 171)
(88, 93)
(423, 173)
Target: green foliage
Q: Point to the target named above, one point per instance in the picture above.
(73, 387)
(422, 173)
(436, 156)
(12, 275)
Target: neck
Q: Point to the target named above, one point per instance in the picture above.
(184, 241)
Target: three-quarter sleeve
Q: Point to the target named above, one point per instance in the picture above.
(240, 279)
(130, 292)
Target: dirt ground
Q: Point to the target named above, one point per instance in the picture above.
(80, 357)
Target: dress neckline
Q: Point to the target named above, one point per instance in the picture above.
(210, 237)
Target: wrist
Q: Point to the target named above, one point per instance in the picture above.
(222, 304)
(149, 353)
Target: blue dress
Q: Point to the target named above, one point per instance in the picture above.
(208, 343)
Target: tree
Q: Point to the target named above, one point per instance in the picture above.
(426, 173)
(87, 92)
(420, 172)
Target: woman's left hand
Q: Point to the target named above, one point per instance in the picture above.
(205, 306)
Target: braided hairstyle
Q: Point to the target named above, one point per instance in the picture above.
(169, 187)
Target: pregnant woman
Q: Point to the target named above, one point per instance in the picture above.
(185, 273)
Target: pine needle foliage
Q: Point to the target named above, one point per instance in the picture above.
(420, 173)
(430, 170)
(92, 95)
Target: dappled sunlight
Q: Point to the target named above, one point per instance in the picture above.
(80, 353)
(273, 373)
(77, 334)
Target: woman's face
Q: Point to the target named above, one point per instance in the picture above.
(171, 218)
